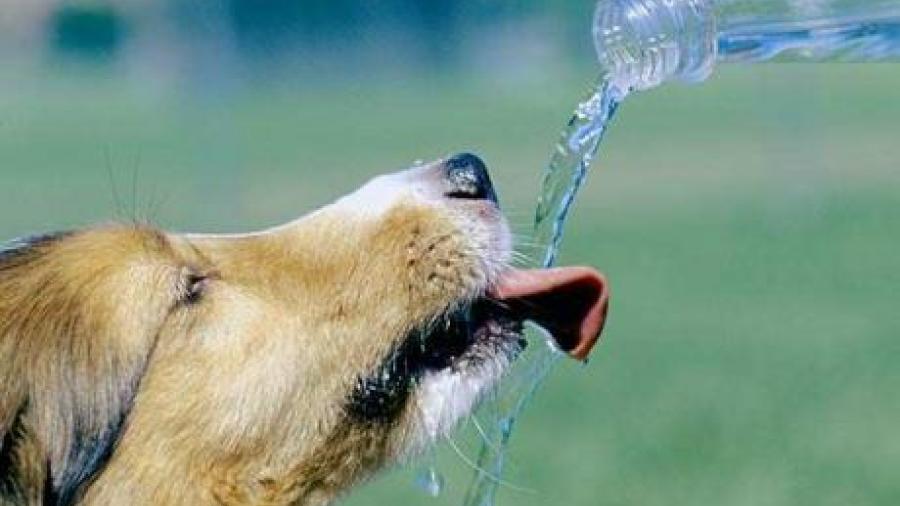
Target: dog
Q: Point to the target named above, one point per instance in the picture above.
(279, 367)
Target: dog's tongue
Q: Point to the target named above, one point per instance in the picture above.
(569, 302)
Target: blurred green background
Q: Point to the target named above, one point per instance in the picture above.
(750, 226)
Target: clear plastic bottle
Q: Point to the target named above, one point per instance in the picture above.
(644, 43)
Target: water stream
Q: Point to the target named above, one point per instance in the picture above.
(565, 174)
(563, 178)
(867, 38)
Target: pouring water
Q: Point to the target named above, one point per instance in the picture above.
(641, 44)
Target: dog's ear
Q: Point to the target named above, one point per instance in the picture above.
(15, 255)
(11, 433)
(76, 371)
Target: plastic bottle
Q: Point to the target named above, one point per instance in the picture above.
(644, 43)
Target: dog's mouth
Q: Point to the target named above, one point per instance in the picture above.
(569, 303)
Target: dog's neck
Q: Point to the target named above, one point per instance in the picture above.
(348, 456)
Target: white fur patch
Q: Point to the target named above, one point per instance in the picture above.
(383, 192)
(376, 196)
(445, 397)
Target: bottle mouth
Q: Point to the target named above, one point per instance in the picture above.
(643, 43)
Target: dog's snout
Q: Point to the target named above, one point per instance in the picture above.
(468, 178)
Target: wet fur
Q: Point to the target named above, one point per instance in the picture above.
(143, 367)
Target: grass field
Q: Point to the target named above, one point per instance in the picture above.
(750, 228)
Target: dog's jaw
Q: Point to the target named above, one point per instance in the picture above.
(441, 398)
(445, 397)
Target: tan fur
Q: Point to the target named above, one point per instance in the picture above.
(235, 398)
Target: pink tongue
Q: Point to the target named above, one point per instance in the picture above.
(569, 302)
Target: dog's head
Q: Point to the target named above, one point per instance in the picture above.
(280, 366)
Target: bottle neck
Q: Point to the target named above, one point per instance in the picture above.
(643, 43)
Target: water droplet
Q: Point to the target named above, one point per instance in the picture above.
(430, 481)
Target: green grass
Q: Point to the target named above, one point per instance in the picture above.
(750, 228)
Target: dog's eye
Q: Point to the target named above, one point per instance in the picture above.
(194, 287)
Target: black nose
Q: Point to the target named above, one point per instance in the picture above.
(468, 178)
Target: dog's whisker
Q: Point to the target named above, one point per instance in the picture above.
(528, 241)
(523, 257)
(531, 245)
(497, 302)
(487, 474)
(481, 432)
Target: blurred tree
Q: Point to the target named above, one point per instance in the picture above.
(438, 24)
(223, 37)
(275, 28)
(267, 28)
(92, 30)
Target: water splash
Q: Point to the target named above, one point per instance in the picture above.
(853, 39)
(505, 407)
(430, 481)
(564, 177)
(569, 165)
